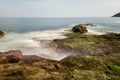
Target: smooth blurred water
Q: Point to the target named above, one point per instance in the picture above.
(30, 35)
(23, 25)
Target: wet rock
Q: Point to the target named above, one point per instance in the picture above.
(12, 56)
(1, 33)
(81, 28)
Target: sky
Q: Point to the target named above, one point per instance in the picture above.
(59, 8)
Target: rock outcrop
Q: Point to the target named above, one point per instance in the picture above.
(70, 68)
(12, 56)
(1, 33)
(81, 28)
(116, 15)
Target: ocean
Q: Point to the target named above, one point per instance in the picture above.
(29, 34)
(23, 25)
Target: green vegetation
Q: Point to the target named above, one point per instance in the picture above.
(105, 64)
(117, 67)
(70, 68)
(78, 40)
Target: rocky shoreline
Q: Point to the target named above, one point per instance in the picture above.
(79, 43)
(70, 68)
(93, 57)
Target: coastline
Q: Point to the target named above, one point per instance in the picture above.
(33, 43)
(85, 57)
(45, 43)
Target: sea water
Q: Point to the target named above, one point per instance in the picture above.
(29, 34)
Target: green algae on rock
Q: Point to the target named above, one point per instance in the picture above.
(70, 68)
(91, 44)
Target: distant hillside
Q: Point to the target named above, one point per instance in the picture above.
(116, 15)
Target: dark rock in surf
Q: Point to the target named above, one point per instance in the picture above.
(1, 33)
(81, 28)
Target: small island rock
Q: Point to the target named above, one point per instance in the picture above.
(1, 33)
(81, 28)
(116, 15)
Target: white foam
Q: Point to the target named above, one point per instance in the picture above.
(96, 30)
(45, 52)
(31, 43)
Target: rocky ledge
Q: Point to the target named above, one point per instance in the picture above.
(70, 68)
(82, 44)
(15, 56)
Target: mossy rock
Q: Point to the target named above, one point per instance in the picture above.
(91, 44)
(70, 68)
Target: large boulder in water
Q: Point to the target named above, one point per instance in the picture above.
(1, 33)
(12, 56)
(81, 28)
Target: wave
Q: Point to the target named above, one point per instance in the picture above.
(33, 43)
(96, 30)
(100, 30)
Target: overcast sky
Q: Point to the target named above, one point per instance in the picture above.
(59, 8)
